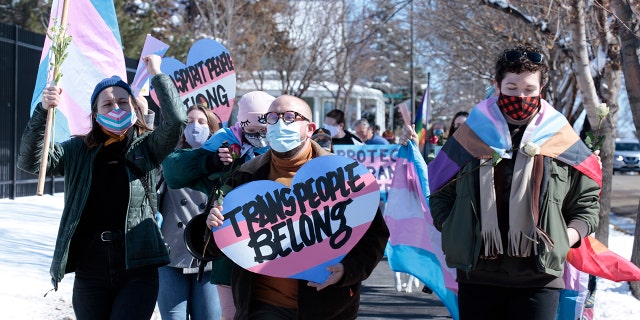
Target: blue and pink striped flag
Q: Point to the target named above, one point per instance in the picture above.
(414, 243)
(486, 133)
(95, 53)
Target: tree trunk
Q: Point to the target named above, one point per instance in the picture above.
(581, 63)
(635, 256)
(630, 55)
(590, 100)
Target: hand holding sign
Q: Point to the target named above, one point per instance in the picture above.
(409, 130)
(299, 231)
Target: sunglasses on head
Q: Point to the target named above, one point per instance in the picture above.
(516, 55)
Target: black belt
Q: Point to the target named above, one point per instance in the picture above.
(108, 236)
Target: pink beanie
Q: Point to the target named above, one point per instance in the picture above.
(252, 106)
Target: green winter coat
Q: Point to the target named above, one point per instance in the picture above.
(570, 198)
(144, 245)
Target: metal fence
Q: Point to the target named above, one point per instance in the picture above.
(20, 52)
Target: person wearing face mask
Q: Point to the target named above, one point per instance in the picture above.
(435, 138)
(334, 122)
(181, 295)
(108, 233)
(511, 191)
(205, 168)
(289, 132)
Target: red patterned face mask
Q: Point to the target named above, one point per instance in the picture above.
(518, 108)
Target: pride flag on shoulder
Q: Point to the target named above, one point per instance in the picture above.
(414, 243)
(95, 53)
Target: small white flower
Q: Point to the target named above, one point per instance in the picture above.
(602, 110)
(531, 149)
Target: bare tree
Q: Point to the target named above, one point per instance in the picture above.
(627, 26)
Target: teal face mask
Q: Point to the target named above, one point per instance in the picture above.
(283, 137)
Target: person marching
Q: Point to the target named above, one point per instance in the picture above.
(108, 233)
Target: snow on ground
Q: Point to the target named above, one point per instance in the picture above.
(28, 229)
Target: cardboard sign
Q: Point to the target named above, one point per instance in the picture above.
(380, 159)
(209, 77)
(297, 231)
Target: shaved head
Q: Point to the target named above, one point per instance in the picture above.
(290, 103)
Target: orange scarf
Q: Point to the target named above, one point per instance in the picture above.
(112, 137)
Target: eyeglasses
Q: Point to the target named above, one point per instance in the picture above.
(515, 55)
(287, 117)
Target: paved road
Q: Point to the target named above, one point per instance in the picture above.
(380, 300)
(625, 195)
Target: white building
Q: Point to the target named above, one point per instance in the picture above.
(362, 100)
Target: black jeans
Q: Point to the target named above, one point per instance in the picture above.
(492, 302)
(104, 289)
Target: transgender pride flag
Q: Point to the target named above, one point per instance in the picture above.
(95, 53)
(414, 243)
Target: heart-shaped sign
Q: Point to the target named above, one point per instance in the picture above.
(297, 231)
(208, 78)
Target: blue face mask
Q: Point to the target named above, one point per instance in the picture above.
(283, 137)
(196, 134)
(117, 121)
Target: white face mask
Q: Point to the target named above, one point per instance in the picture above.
(283, 137)
(333, 130)
(196, 134)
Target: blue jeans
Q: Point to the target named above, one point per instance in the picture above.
(182, 297)
(103, 289)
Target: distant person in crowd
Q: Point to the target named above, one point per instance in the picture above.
(389, 136)
(376, 129)
(321, 136)
(458, 119)
(511, 191)
(435, 136)
(206, 168)
(289, 129)
(108, 233)
(334, 122)
(366, 134)
(181, 295)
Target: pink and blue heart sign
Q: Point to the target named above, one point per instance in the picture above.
(208, 77)
(298, 231)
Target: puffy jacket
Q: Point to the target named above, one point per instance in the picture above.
(73, 159)
(570, 197)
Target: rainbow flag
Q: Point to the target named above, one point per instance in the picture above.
(414, 244)
(423, 117)
(95, 53)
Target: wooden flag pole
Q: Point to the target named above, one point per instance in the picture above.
(42, 174)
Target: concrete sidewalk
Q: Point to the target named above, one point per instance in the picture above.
(380, 300)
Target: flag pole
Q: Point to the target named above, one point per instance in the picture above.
(42, 174)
